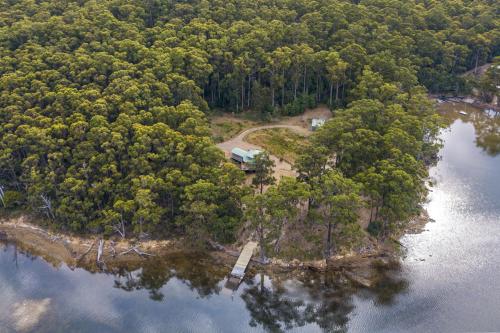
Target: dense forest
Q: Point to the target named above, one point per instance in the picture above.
(103, 107)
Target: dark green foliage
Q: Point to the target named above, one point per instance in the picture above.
(298, 106)
(384, 142)
(102, 124)
(375, 228)
(12, 199)
(263, 171)
(488, 85)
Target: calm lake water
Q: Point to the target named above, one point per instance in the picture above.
(448, 280)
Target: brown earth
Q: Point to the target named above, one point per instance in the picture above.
(299, 124)
(80, 251)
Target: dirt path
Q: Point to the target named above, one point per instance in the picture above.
(298, 124)
(283, 168)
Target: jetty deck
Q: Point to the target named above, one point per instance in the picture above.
(243, 260)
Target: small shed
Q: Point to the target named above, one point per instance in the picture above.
(245, 158)
(317, 123)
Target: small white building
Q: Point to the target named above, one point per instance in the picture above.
(317, 123)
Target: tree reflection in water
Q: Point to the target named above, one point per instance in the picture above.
(320, 299)
(486, 124)
(324, 299)
(271, 308)
(389, 285)
(204, 277)
(275, 304)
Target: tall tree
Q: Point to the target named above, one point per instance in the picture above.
(264, 169)
(336, 69)
(338, 203)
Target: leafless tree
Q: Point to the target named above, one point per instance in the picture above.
(47, 206)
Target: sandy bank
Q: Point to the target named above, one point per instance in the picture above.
(79, 251)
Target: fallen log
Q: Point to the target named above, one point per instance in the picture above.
(216, 245)
(85, 253)
(127, 251)
(136, 250)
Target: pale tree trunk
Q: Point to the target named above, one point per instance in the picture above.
(280, 237)
(263, 257)
(47, 206)
(331, 92)
(477, 61)
(242, 93)
(2, 195)
(328, 242)
(318, 97)
(304, 91)
(100, 251)
(272, 89)
(337, 92)
(249, 90)
(121, 227)
(283, 90)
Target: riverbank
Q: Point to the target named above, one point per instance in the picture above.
(450, 266)
(470, 100)
(83, 251)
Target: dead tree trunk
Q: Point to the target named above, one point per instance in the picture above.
(100, 251)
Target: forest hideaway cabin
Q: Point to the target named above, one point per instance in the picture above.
(244, 158)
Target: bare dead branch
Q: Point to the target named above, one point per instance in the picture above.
(85, 253)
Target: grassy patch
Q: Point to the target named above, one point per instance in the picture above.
(281, 142)
(226, 127)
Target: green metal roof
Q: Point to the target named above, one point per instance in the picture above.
(246, 155)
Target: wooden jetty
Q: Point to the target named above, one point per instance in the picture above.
(240, 267)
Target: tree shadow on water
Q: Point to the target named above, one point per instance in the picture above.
(198, 273)
(389, 284)
(313, 299)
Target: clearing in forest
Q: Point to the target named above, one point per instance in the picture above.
(298, 126)
(283, 143)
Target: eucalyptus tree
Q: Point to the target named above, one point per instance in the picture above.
(338, 203)
(264, 170)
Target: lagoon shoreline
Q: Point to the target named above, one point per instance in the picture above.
(81, 251)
